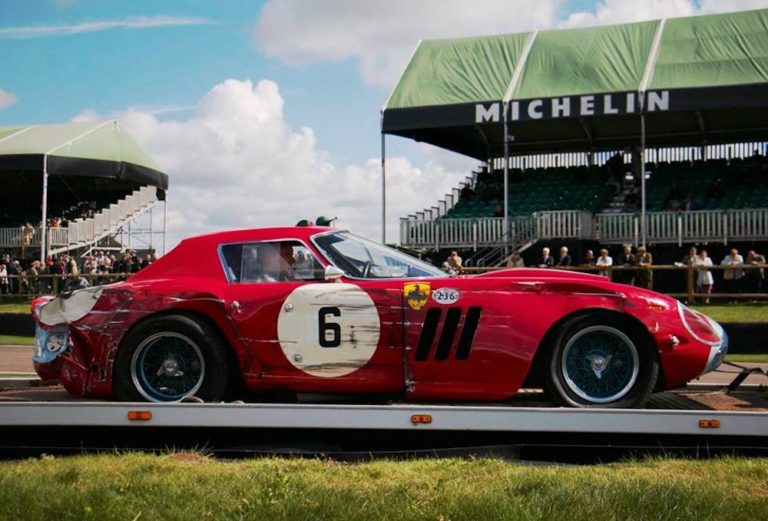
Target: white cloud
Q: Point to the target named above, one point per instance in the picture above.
(7, 99)
(621, 11)
(143, 22)
(236, 164)
(381, 36)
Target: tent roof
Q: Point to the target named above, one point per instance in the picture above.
(698, 79)
(96, 149)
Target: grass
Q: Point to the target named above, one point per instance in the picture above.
(756, 358)
(14, 305)
(725, 313)
(13, 340)
(191, 486)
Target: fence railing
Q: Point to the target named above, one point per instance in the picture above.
(489, 231)
(81, 232)
(48, 284)
(679, 227)
(719, 226)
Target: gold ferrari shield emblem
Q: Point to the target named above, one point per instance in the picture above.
(416, 294)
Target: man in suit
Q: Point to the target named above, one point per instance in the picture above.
(546, 260)
(565, 259)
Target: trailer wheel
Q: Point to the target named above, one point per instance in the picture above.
(600, 360)
(169, 358)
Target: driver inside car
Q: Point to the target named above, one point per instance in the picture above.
(277, 263)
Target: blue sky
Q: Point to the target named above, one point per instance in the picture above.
(284, 93)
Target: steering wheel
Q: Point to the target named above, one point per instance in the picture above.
(366, 268)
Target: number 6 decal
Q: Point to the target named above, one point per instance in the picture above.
(328, 330)
(334, 339)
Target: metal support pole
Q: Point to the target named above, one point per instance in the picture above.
(505, 226)
(43, 225)
(151, 232)
(165, 221)
(383, 187)
(643, 227)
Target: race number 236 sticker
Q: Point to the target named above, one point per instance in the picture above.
(445, 296)
(328, 330)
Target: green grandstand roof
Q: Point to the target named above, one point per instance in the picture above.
(698, 79)
(97, 149)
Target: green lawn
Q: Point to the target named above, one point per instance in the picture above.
(725, 313)
(14, 305)
(11, 340)
(747, 357)
(190, 486)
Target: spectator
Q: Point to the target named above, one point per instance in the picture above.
(447, 268)
(754, 277)
(589, 258)
(644, 277)
(3, 280)
(565, 259)
(626, 260)
(690, 257)
(15, 277)
(732, 277)
(515, 261)
(546, 260)
(454, 261)
(27, 234)
(604, 261)
(704, 279)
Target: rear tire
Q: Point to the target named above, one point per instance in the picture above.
(169, 358)
(600, 360)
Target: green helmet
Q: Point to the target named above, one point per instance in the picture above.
(324, 221)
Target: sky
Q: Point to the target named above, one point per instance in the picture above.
(266, 112)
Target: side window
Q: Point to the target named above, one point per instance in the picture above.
(273, 261)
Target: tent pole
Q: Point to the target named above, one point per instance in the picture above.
(43, 225)
(165, 221)
(383, 187)
(505, 225)
(643, 231)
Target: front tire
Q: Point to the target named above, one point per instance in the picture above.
(169, 358)
(600, 360)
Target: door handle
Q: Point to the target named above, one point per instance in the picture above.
(235, 306)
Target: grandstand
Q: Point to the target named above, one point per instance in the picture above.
(644, 133)
(84, 183)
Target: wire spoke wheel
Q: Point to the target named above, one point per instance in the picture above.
(600, 360)
(167, 366)
(600, 364)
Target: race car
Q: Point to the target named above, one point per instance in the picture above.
(319, 310)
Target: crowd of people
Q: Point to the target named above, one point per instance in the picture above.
(66, 273)
(739, 275)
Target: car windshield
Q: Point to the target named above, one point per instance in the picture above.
(361, 258)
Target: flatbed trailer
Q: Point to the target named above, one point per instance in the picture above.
(694, 421)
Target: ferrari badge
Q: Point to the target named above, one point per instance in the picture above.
(416, 294)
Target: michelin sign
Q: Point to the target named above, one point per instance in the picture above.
(571, 106)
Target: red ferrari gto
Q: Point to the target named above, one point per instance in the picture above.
(318, 310)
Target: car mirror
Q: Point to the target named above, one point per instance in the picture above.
(332, 273)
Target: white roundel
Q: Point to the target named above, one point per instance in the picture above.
(328, 330)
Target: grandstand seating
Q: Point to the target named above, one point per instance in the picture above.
(582, 188)
(577, 188)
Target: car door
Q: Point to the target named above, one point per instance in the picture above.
(311, 335)
(464, 340)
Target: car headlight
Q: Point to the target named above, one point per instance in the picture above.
(700, 326)
(50, 344)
